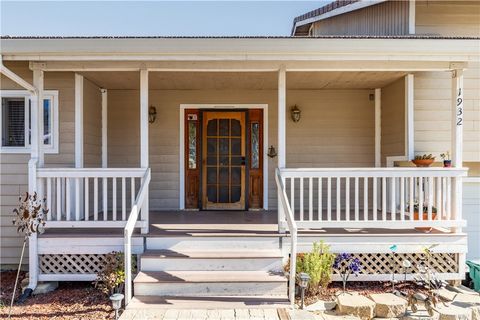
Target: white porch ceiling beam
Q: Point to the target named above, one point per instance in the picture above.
(250, 66)
(16, 78)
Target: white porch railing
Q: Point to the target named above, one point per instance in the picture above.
(292, 227)
(89, 197)
(137, 207)
(374, 197)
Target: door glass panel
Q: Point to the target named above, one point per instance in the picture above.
(223, 195)
(212, 146)
(223, 145)
(224, 176)
(236, 128)
(192, 144)
(211, 175)
(236, 175)
(212, 127)
(236, 146)
(224, 127)
(236, 193)
(255, 145)
(212, 193)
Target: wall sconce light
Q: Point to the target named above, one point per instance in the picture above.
(272, 153)
(295, 113)
(152, 114)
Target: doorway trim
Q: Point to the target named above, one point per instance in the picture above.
(230, 106)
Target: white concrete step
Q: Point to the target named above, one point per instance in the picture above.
(191, 243)
(211, 302)
(210, 283)
(239, 260)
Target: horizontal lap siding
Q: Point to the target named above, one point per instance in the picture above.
(471, 212)
(432, 120)
(14, 167)
(393, 120)
(388, 18)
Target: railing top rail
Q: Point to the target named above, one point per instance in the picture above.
(292, 225)
(132, 218)
(373, 172)
(90, 172)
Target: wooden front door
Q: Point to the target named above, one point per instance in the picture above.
(223, 166)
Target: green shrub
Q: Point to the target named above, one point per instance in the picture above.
(318, 265)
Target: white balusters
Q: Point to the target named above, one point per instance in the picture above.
(124, 198)
(357, 204)
(430, 198)
(365, 198)
(310, 199)
(338, 218)
(374, 199)
(105, 198)
(402, 198)
(393, 209)
(114, 199)
(87, 200)
(320, 199)
(77, 199)
(59, 193)
(68, 198)
(347, 198)
(95, 199)
(411, 197)
(301, 198)
(420, 198)
(329, 199)
(49, 198)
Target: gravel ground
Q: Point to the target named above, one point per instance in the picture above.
(72, 300)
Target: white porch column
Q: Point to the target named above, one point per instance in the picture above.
(144, 138)
(457, 141)
(378, 127)
(78, 121)
(104, 128)
(282, 109)
(409, 113)
(36, 158)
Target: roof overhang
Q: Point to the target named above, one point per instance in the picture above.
(305, 50)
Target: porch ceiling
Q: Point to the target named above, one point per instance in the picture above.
(244, 80)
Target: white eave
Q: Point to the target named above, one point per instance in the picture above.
(239, 49)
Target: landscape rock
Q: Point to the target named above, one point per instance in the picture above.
(321, 306)
(421, 314)
(452, 312)
(445, 294)
(462, 289)
(389, 305)
(332, 315)
(45, 287)
(356, 305)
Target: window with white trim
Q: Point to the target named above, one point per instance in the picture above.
(15, 122)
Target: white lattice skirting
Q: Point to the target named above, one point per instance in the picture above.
(71, 263)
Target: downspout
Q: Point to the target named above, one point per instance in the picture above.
(32, 166)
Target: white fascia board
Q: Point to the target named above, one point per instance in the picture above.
(345, 9)
(252, 49)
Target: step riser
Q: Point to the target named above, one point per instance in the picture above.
(211, 289)
(187, 264)
(212, 243)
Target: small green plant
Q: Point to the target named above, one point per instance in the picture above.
(425, 157)
(318, 265)
(445, 156)
(112, 278)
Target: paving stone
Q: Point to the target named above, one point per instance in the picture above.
(462, 289)
(388, 305)
(421, 314)
(451, 312)
(356, 305)
(271, 314)
(321, 306)
(242, 314)
(200, 314)
(45, 287)
(333, 315)
(302, 315)
(213, 314)
(128, 314)
(171, 314)
(467, 299)
(227, 314)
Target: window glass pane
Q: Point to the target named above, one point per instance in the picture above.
(47, 122)
(255, 145)
(192, 145)
(13, 122)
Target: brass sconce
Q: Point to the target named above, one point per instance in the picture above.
(295, 113)
(152, 114)
(272, 153)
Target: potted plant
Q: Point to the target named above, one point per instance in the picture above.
(425, 160)
(447, 162)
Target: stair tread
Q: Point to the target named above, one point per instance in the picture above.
(207, 276)
(210, 302)
(212, 254)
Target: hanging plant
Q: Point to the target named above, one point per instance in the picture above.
(29, 220)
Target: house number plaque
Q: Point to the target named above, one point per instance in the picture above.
(459, 103)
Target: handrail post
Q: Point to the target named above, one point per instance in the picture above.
(280, 210)
(128, 266)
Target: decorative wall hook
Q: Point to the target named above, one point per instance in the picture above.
(272, 153)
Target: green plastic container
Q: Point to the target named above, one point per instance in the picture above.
(475, 274)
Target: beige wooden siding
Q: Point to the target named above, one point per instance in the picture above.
(432, 119)
(387, 18)
(448, 18)
(471, 209)
(393, 120)
(14, 167)
(92, 124)
(337, 129)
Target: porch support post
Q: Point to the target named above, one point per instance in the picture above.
(104, 128)
(36, 157)
(411, 17)
(409, 113)
(457, 142)
(378, 127)
(282, 109)
(78, 121)
(144, 138)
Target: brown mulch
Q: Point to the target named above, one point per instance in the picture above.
(72, 300)
(364, 288)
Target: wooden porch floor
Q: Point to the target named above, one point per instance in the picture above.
(231, 223)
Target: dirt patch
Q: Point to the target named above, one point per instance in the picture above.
(72, 300)
(364, 288)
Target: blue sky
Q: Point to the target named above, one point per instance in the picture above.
(159, 18)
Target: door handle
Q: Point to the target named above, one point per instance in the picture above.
(243, 161)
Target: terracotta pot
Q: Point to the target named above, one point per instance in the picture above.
(416, 216)
(423, 163)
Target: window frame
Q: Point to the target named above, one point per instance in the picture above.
(52, 95)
